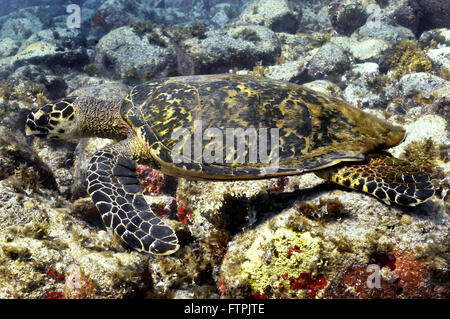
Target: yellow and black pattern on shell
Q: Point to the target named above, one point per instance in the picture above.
(315, 131)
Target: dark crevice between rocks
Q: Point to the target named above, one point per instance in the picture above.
(241, 213)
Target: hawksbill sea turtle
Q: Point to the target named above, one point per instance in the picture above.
(316, 133)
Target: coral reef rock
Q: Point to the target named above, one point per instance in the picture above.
(294, 255)
(129, 56)
(422, 82)
(277, 15)
(329, 60)
(347, 16)
(235, 47)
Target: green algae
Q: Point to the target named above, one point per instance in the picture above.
(424, 153)
(408, 58)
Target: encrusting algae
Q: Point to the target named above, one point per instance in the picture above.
(278, 258)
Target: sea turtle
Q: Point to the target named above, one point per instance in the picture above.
(229, 117)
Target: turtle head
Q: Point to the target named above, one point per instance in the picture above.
(77, 117)
(56, 120)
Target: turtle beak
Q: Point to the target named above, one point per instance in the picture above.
(30, 126)
(28, 130)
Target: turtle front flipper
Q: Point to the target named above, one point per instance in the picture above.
(385, 177)
(114, 187)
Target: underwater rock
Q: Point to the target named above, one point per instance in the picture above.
(365, 49)
(442, 104)
(277, 15)
(113, 14)
(20, 25)
(19, 161)
(435, 38)
(370, 50)
(324, 87)
(360, 96)
(61, 37)
(421, 82)
(291, 71)
(408, 14)
(314, 17)
(223, 14)
(234, 47)
(347, 16)
(392, 35)
(5, 67)
(440, 57)
(36, 84)
(8, 47)
(436, 14)
(131, 57)
(58, 155)
(298, 46)
(190, 274)
(406, 58)
(366, 69)
(229, 206)
(365, 86)
(425, 127)
(416, 105)
(41, 242)
(37, 51)
(34, 73)
(176, 12)
(418, 93)
(329, 60)
(49, 54)
(293, 255)
(446, 35)
(271, 261)
(10, 6)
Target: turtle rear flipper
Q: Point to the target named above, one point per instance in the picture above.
(385, 177)
(114, 187)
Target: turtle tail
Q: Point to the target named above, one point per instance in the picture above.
(114, 187)
(385, 177)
